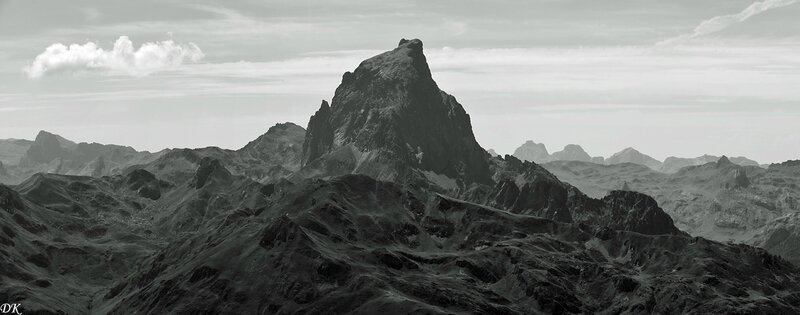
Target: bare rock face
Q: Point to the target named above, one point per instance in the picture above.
(319, 138)
(639, 213)
(391, 106)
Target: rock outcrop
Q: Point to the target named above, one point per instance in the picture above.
(319, 137)
(210, 171)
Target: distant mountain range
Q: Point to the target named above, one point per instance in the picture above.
(537, 152)
(53, 154)
(50, 153)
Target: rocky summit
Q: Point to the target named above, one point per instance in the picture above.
(391, 111)
(385, 204)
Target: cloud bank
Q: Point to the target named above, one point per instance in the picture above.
(123, 58)
(719, 23)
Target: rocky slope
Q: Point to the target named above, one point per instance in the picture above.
(272, 156)
(355, 245)
(719, 200)
(64, 238)
(781, 236)
(352, 244)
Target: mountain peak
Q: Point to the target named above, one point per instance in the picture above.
(391, 106)
(532, 151)
(283, 127)
(410, 43)
(405, 63)
(631, 155)
(571, 152)
(42, 134)
(46, 148)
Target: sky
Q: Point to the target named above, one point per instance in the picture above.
(669, 78)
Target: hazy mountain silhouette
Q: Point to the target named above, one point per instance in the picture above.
(536, 152)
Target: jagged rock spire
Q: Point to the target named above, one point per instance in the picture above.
(391, 106)
(319, 134)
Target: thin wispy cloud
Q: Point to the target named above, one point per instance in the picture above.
(123, 58)
(719, 23)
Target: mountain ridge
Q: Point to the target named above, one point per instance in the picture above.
(531, 151)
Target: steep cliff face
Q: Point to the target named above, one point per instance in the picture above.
(319, 138)
(391, 107)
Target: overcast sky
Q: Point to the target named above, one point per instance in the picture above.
(679, 78)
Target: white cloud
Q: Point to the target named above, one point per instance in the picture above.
(719, 23)
(122, 58)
